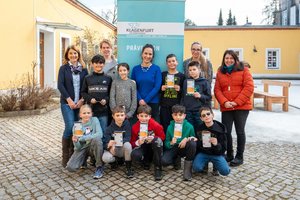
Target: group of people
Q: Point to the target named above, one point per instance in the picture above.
(153, 117)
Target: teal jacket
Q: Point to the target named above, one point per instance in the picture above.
(187, 131)
(94, 131)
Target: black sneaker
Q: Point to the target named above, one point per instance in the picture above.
(205, 169)
(236, 162)
(146, 166)
(157, 174)
(229, 158)
(177, 163)
(215, 172)
(129, 173)
(113, 165)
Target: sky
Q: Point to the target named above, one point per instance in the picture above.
(205, 12)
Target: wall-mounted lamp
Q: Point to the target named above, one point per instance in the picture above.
(254, 49)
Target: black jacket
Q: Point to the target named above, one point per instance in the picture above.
(109, 132)
(97, 85)
(218, 130)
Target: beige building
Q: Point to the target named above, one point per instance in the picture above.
(270, 50)
(39, 31)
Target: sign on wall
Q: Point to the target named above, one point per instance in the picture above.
(156, 22)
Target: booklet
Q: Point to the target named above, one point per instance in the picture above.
(78, 129)
(190, 86)
(118, 137)
(206, 135)
(170, 81)
(178, 130)
(143, 130)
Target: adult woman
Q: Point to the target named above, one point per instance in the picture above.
(205, 65)
(110, 67)
(148, 81)
(233, 89)
(70, 79)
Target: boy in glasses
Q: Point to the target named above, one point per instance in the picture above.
(211, 143)
(147, 138)
(180, 142)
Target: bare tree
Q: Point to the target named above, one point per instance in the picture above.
(270, 11)
(111, 15)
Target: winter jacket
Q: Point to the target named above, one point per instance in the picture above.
(152, 126)
(236, 86)
(217, 130)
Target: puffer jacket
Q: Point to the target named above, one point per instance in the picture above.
(236, 86)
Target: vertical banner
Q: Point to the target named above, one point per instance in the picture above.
(156, 22)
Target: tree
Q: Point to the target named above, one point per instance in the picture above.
(220, 20)
(189, 22)
(111, 16)
(233, 21)
(270, 12)
(229, 20)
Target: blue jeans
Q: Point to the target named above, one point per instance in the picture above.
(103, 122)
(218, 161)
(69, 116)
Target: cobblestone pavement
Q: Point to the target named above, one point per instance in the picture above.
(30, 168)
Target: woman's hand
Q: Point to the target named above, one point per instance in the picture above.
(71, 103)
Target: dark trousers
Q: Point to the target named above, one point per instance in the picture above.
(239, 118)
(194, 118)
(155, 111)
(148, 152)
(188, 152)
(165, 116)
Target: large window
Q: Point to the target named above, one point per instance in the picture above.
(273, 58)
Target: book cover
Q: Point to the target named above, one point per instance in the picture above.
(178, 130)
(190, 86)
(206, 135)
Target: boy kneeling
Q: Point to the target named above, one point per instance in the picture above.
(211, 143)
(116, 140)
(180, 142)
(147, 140)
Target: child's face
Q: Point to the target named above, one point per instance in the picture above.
(119, 117)
(98, 67)
(85, 114)
(172, 63)
(123, 72)
(194, 72)
(178, 117)
(206, 116)
(144, 117)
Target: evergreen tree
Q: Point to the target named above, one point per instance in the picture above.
(233, 21)
(220, 20)
(229, 20)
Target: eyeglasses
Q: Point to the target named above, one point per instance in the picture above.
(205, 114)
(193, 49)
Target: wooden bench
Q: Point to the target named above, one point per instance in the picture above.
(269, 99)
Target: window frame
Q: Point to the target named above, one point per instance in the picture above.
(278, 58)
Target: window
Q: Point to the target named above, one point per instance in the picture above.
(239, 53)
(273, 58)
(205, 51)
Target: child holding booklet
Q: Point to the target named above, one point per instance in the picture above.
(87, 135)
(180, 142)
(196, 93)
(116, 140)
(147, 140)
(211, 143)
(172, 81)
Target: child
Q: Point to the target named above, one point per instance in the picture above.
(123, 91)
(95, 90)
(147, 140)
(87, 135)
(196, 93)
(179, 142)
(116, 140)
(211, 144)
(172, 81)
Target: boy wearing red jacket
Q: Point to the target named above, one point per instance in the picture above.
(147, 137)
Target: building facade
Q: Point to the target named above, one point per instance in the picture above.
(270, 50)
(39, 31)
(288, 13)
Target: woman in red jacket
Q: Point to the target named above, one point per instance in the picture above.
(233, 90)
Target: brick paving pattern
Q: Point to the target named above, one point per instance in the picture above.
(30, 168)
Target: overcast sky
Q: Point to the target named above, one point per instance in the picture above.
(205, 12)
